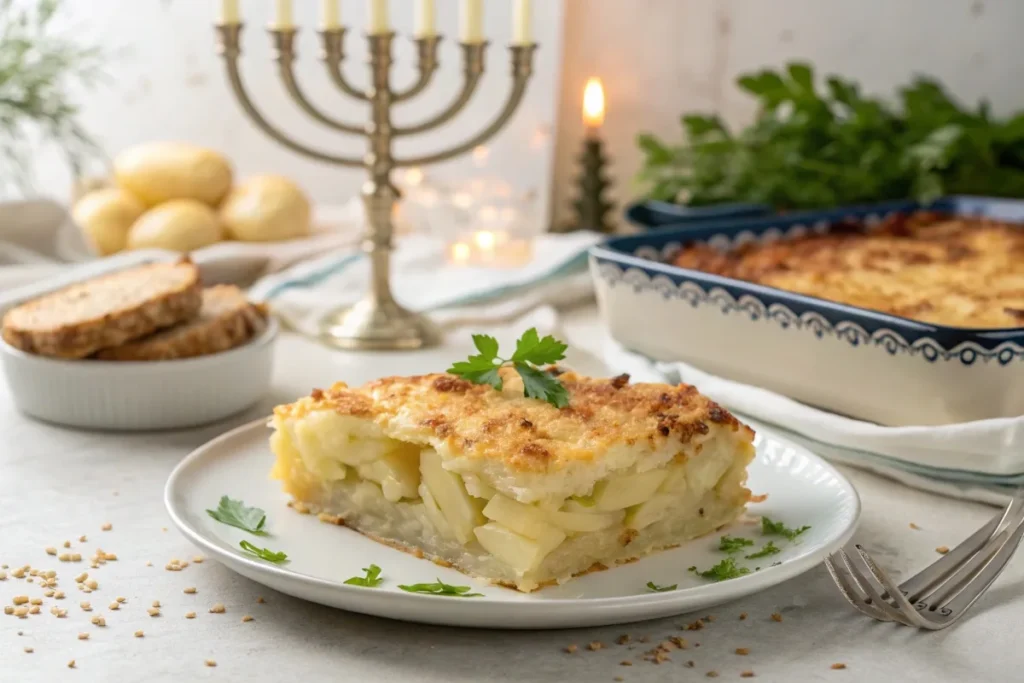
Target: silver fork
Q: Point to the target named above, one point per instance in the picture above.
(939, 595)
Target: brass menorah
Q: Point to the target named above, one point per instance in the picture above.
(377, 321)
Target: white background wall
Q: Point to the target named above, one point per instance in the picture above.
(168, 83)
(659, 58)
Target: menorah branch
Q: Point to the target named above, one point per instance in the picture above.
(332, 53)
(228, 46)
(426, 64)
(473, 68)
(284, 54)
(522, 68)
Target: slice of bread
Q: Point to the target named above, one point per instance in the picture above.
(226, 320)
(79, 320)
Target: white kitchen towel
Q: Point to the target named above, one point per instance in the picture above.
(38, 239)
(423, 280)
(982, 461)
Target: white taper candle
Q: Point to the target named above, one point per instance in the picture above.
(379, 17)
(425, 19)
(229, 12)
(522, 23)
(283, 18)
(471, 21)
(330, 15)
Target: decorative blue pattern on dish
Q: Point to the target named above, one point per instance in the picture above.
(640, 262)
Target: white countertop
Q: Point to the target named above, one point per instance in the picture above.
(57, 484)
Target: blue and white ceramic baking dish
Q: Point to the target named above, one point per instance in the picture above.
(846, 359)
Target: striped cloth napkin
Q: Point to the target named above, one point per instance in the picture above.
(423, 280)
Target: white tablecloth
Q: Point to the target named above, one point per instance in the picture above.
(58, 484)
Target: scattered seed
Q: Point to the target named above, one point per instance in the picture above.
(71, 664)
(595, 645)
(21, 612)
(99, 621)
(712, 674)
(260, 600)
(115, 605)
(83, 636)
(67, 544)
(29, 650)
(8, 609)
(51, 551)
(91, 584)
(625, 662)
(121, 600)
(139, 634)
(623, 639)
(776, 616)
(59, 595)
(81, 577)
(153, 612)
(743, 616)
(76, 557)
(18, 573)
(190, 590)
(838, 666)
(81, 539)
(20, 599)
(36, 601)
(747, 674)
(49, 593)
(690, 663)
(743, 651)
(571, 649)
(198, 559)
(210, 662)
(246, 618)
(148, 563)
(156, 603)
(107, 527)
(3, 576)
(190, 615)
(915, 527)
(51, 574)
(942, 550)
(34, 609)
(64, 557)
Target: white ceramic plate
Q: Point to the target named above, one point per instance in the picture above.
(802, 490)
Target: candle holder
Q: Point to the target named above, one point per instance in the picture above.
(591, 209)
(377, 321)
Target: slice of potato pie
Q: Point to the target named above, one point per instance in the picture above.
(512, 489)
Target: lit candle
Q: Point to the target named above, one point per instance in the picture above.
(229, 12)
(471, 29)
(379, 17)
(521, 24)
(283, 16)
(330, 15)
(593, 106)
(425, 19)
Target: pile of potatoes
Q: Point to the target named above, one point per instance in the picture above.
(170, 195)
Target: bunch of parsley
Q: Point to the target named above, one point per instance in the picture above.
(813, 148)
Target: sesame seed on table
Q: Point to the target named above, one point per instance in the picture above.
(61, 483)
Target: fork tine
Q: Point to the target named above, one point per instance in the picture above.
(856, 599)
(902, 604)
(864, 583)
(955, 608)
(943, 592)
(916, 586)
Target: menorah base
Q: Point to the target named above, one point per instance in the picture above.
(382, 326)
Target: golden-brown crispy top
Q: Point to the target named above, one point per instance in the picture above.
(527, 434)
(961, 272)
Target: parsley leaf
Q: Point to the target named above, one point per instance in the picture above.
(236, 514)
(441, 588)
(540, 384)
(723, 571)
(532, 350)
(655, 588)
(771, 528)
(263, 553)
(733, 544)
(769, 549)
(371, 580)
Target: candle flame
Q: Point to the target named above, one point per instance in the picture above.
(593, 103)
(460, 252)
(485, 239)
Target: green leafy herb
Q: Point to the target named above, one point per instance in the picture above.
(813, 147)
(651, 586)
(531, 351)
(371, 580)
(771, 528)
(733, 544)
(236, 514)
(769, 549)
(263, 553)
(441, 588)
(724, 570)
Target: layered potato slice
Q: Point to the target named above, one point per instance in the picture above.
(512, 489)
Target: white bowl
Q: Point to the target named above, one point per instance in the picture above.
(135, 395)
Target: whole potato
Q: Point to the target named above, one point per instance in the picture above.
(266, 209)
(179, 225)
(157, 172)
(106, 216)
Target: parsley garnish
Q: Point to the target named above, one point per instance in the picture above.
(371, 579)
(733, 544)
(769, 549)
(724, 570)
(651, 586)
(236, 514)
(441, 588)
(531, 350)
(770, 528)
(263, 553)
